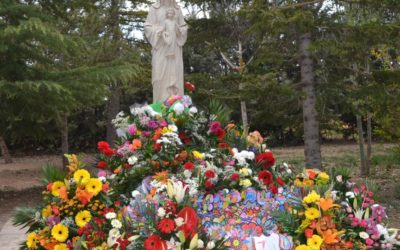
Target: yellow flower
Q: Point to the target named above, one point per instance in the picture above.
(312, 197)
(94, 186)
(314, 242)
(245, 183)
(245, 171)
(56, 187)
(32, 241)
(308, 183)
(198, 155)
(46, 212)
(236, 243)
(82, 218)
(312, 213)
(81, 176)
(323, 176)
(166, 130)
(61, 247)
(302, 247)
(298, 183)
(59, 232)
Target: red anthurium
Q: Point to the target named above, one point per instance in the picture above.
(188, 165)
(209, 174)
(102, 164)
(190, 218)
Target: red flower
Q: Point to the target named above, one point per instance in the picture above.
(309, 232)
(102, 145)
(209, 174)
(191, 219)
(265, 159)
(215, 126)
(223, 145)
(108, 152)
(157, 147)
(220, 134)
(154, 242)
(184, 138)
(188, 165)
(102, 164)
(273, 189)
(170, 207)
(166, 225)
(280, 181)
(265, 177)
(189, 86)
(235, 177)
(208, 184)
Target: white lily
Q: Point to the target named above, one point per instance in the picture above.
(176, 190)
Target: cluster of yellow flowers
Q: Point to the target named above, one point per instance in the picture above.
(311, 177)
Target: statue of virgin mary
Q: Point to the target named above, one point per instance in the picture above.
(166, 31)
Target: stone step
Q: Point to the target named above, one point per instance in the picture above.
(11, 236)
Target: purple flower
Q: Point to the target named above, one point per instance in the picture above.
(53, 220)
(144, 120)
(152, 124)
(146, 134)
(132, 129)
(163, 123)
(378, 212)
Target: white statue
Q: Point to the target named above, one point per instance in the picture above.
(166, 31)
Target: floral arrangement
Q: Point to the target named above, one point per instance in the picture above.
(181, 178)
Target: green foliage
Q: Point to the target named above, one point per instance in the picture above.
(25, 216)
(52, 173)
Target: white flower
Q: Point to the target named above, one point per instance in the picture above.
(161, 212)
(135, 193)
(193, 110)
(116, 223)
(200, 244)
(242, 156)
(179, 108)
(173, 128)
(111, 215)
(132, 160)
(187, 173)
(210, 245)
(176, 190)
(350, 195)
(339, 178)
(179, 221)
(102, 179)
(113, 235)
(382, 230)
(364, 235)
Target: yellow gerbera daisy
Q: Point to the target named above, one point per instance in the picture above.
(312, 213)
(32, 241)
(315, 242)
(94, 186)
(82, 218)
(312, 197)
(46, 212)
(81, 176)
(60, 232)
(56, 187)
(302, 247)
(61, 247)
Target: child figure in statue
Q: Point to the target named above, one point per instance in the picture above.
(169, 34)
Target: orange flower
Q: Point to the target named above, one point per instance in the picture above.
(157, 134)
(326, 204)
(83, 195)
(311, 173)
(330, 236)
(162, 177)
(136, 144)
(63, 192)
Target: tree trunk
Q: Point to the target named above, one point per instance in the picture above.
(312, 147)
(64, 139)
(4, 151)
(369, 142)
(361, 145)
(112, 110)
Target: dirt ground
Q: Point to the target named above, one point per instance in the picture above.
(20, 181)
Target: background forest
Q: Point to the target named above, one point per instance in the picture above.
(296, 70)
